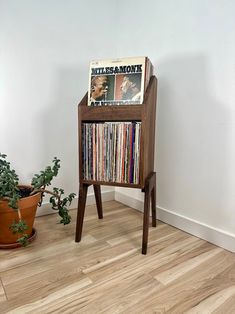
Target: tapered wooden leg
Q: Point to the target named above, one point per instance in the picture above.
(153, 202)
(150, 192)
(98, 200)
(81, 211)
(146, 222)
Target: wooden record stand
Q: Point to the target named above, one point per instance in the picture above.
(144, 113)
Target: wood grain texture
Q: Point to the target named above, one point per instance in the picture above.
(147, 149)
(105, 273)
(2, 293)
(111, 113)
(144, 113)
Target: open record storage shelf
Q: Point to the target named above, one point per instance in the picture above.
(146, 115)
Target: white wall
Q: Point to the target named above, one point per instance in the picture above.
(45, 50)
(192, 45)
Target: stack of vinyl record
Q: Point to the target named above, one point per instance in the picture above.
(111, 151)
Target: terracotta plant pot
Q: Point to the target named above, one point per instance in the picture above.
(28, 206)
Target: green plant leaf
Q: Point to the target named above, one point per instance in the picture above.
(9, 190)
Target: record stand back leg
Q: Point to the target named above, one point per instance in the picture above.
(82, 205)
(97, 192)
(150, 194)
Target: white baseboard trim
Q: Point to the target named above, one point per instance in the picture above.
(213, 235)
(45, 209)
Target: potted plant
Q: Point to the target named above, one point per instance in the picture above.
(18, 203)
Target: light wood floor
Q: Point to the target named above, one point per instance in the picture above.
(106, 273)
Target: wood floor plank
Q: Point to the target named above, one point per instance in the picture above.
(104, 297)
(136, 234)
(136, 263)
(61, 271)
(174, 273)
(106, 272)
(2, 293)
(228, 306)
(215, 286)
(52, 298)
(216, 302)
(192, 287)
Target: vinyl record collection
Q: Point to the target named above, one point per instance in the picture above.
(111, 151)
